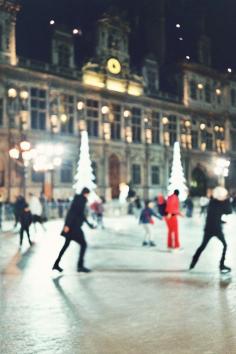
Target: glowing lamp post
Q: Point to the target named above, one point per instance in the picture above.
(22, 154)
(48, 158)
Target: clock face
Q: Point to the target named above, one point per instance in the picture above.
(113, 65)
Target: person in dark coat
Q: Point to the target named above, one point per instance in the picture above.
(25, 218)
(218, 206)
(72, 230)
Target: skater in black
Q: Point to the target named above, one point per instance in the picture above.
(25, 218)
(72, 230)
(218, 206)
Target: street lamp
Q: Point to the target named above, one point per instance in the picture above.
(222, 170)
(48, 157)
(22, 154)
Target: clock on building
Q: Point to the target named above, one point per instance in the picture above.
(114, 66)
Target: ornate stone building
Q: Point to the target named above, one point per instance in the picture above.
(132, 125)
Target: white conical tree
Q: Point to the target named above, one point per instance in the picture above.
(84, 176)
(177, 179)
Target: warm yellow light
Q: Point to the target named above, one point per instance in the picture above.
(165, 120)
(218, 92)
(24, 95)
(105, 109)
(200, 86)
(127, 113)
(203, 146)
(216, 128)
(187, 123)
(148, 136)
(14, 153)
(80, 105)
(135, 89)
(113, 65)
(221, 129)
(116, 85)
(12, 93)
(107, 131)
(82, 125)
(63, 118)
(202, 126)
(54, 119)
(25, 145)
(128, 134)
(93, 79)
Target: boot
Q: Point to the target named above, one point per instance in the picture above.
(225, 269)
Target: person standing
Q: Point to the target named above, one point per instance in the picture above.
(219, 205)
(189, 206)
(25, 219)
(72, 230)
(172, 212)
(146, 219)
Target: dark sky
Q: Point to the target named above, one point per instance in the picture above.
(33, 30)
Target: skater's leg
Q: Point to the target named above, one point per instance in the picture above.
(28, 234)
(206, 239)
(222, 261)
(65, 246)
(21, 235)
(83, 245)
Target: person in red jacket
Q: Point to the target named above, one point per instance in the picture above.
(172, 211)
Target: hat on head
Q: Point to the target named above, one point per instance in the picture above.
(220, 193)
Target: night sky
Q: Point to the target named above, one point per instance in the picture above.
(34, 31)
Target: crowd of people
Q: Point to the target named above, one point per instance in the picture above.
(33, 211)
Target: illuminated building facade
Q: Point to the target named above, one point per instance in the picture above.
(132, 124)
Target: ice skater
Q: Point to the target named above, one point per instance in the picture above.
(172, 212)
(72, 230)
(218, 206)
(36, 210)
(25, 219)
(146, 219)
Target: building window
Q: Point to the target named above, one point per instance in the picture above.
(208, 93)
(155, 128)
(37, 177)
(116, 121)
(193, 90)
(136, 174)
(64, 56)
(172, 129)
(136, 125)
(67, 172)
(209, 141)
(69, 109)
(38, 108)
(1, 111)
(195, 139)
(233, 97)
(92, 111)
(155, 174)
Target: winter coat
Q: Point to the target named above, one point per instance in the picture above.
(146, 216)
(215, 211)
(76, 216)
(172, 205)
(25, 217)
